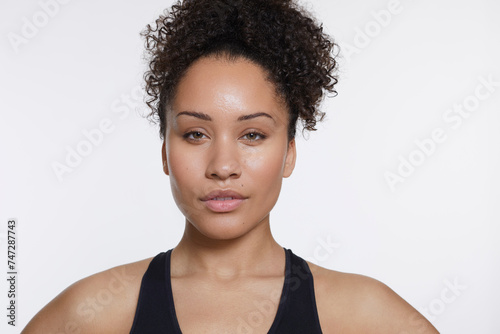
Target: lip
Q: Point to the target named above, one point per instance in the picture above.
(223, 200)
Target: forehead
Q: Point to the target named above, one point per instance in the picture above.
(230, 86)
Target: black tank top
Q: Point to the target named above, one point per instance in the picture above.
(296, 313)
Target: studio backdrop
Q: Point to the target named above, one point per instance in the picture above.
(398, 183)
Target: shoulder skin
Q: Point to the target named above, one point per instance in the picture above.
(351, 303)
(102, 303)
(347, 303)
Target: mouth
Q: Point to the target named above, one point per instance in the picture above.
(222, 195)
(223, 200)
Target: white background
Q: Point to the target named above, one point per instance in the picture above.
(115, 207)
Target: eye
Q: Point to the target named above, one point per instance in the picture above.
(254, 136)
(194, 136)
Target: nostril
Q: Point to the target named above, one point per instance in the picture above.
(223, 164)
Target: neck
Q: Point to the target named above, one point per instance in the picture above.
(255, 253)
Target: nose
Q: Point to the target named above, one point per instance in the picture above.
(224, 160)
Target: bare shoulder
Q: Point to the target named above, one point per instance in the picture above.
(101, 303)
(352, 303)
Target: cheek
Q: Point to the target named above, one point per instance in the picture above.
(266, 168)
(182, 168)
(254, 162)
(186, 174)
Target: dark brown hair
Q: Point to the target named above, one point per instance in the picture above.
(275, 34)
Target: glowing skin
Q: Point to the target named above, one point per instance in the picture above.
(226, 131)
(226, 152)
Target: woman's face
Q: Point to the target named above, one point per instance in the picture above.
(226, 147)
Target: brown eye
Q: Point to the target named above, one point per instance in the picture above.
(194, 136)
(254, 136)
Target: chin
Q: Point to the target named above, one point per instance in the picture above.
(223, 228)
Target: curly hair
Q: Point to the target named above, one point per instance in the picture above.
(276, 34)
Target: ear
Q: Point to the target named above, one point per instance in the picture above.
(164, 158)
(291, 154)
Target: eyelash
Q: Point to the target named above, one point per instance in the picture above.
(188, 136)
(259, 134)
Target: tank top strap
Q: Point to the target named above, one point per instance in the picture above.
(298, 314)
(155, 311)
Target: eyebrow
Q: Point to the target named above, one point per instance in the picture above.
(206, 117)
(199, 115)
(258, 114)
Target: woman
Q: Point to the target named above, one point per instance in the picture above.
(228, 81)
